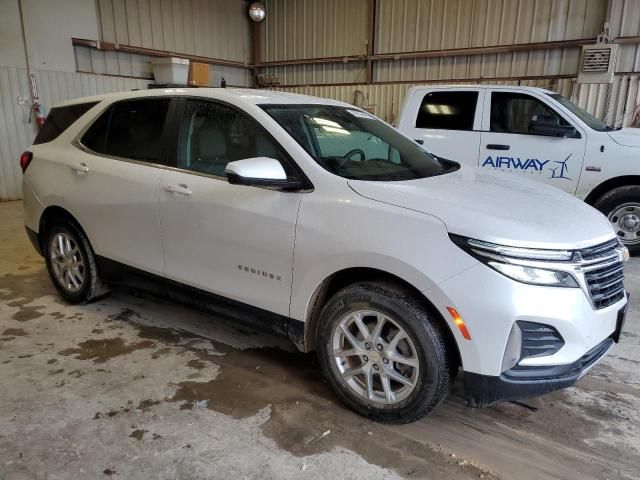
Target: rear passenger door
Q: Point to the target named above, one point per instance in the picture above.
(447, 122)
(114, 179)
(231, 240)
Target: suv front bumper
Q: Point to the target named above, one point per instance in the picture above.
(527, 381)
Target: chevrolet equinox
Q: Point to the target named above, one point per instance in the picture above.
(328, 225)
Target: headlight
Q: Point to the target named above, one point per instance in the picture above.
(520, 263)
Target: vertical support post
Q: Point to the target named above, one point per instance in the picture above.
(256, 47)
(373, 7)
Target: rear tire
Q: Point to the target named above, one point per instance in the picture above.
(384, 353)
(71, 263)
(622, 207)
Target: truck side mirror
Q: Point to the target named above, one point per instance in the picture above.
(549, 125)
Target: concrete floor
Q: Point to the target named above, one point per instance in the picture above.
(133, 387)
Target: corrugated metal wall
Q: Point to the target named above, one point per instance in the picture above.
(297, 29)
(427, 25)
(17, 132)
(209, 28)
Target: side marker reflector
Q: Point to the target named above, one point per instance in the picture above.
(457, 319)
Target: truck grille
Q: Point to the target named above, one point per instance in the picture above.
(604, 273)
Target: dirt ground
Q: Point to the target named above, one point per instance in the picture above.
(136, 387)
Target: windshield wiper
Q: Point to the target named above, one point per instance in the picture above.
(611, 128)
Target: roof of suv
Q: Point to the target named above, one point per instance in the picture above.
(234, 95)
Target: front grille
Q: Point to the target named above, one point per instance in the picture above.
(604, 273)
(539, 340)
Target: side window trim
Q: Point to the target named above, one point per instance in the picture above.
(489, 104)
(176, 133)
(166, 132)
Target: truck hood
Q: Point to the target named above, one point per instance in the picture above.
(496, 207)
(628, 137)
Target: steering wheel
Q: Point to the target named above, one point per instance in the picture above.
(351, 153)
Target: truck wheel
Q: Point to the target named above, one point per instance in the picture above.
(71, 263)
(384, 353)
(622, 207)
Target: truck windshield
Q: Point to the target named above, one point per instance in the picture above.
(582, 114)
(356, 145)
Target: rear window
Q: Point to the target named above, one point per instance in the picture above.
(130, 129)
(448, 110)
(59, 119)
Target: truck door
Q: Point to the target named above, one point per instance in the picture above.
(446, 122)
(510, 145)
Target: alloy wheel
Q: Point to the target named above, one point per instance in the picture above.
(67, 262)
(375, 357)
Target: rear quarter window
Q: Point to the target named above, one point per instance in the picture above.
(59, 119)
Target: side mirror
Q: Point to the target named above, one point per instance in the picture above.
(260, 172)
(550, 125)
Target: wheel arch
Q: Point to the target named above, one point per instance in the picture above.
(342, 278)
(47, 218)
(609, 185)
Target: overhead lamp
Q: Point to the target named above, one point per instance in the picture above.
(257, 12)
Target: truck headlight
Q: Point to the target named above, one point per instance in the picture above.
(520, 264)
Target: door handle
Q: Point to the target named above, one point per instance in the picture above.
(80, 167)
(180, 189)
(497, 146)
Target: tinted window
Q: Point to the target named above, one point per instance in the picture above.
(513, 112)
(135, 130)
(448, 110)
(354, 144)
(96, 136)
(59, 119)
(213, 135)
(130, 129)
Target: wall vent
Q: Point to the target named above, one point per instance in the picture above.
(597, 63)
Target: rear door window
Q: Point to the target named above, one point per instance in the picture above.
(59, 119)
(130, 129)
(448, 110)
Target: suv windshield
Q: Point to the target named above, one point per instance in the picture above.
(355, 145)
(582, 114)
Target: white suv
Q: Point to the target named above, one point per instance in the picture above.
(335, 229)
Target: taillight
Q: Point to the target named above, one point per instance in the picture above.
(25, 160)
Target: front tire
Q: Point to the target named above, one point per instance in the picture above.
(71, 263)
(622, 207)
(384, 353)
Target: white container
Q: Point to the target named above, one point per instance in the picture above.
(170, 71)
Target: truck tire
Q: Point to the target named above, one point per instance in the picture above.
(622, 207)
(384, 353)
(71, 263)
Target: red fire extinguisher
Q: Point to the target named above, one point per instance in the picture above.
(40, 115)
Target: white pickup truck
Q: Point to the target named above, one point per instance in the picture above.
(534, 133)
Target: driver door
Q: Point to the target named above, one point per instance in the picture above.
(508, 145)
(231, 240)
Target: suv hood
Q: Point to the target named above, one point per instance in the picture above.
(496, 207)
(628, 137)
